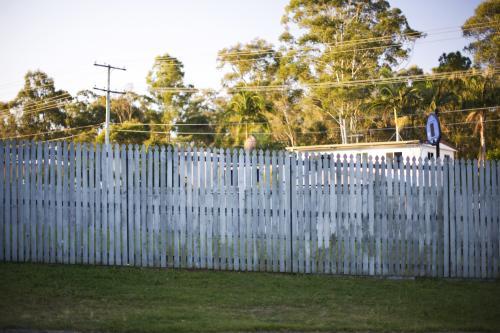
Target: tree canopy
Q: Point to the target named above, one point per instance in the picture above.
(336, 76)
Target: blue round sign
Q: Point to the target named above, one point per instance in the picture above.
(433, 129)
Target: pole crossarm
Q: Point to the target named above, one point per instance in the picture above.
(111, 91)
(109, 66)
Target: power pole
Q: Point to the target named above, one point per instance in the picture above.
(108, 99)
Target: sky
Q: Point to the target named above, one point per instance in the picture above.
(65, 38)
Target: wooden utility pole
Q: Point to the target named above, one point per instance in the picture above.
(108, 97)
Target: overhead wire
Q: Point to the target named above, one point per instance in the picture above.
(67, 137)
(366, 82)
(377, 39)
(37, 105)
(303, 132)
(50, 132)
(496, 108)
(50, 106)
(340, 84)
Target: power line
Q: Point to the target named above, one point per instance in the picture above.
(374, 39)
(194, 124)
(340, 84)
(67, 137)
(50, 106)
(495, 108)
(36, 104)
(41, 109)
(49, 132)
(306, 132)
(250, 60)
(364, 82)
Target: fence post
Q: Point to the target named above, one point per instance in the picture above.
(446, 219)
(290, 210)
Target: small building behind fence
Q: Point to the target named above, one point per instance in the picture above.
(388, 149)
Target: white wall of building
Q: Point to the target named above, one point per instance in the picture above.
(407, 151)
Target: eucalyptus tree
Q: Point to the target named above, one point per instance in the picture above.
(7, 121)
(197, 121)
(247, 67)
(346, 41)
(271, 73)
(482, 28)
(166, 86)
(39, 107)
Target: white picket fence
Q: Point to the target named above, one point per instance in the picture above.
(260, 211)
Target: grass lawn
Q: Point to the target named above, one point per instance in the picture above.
(91, 298)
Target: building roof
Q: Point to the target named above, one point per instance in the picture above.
(366, 145)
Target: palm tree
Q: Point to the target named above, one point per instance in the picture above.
(479, 92)
(477, 117)
(395, 98)
(246, 111)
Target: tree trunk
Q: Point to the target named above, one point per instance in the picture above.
(396, 123)
(482, 155)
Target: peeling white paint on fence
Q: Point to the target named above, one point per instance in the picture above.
(260, 211)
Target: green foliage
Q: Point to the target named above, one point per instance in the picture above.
(244, 116)
(301, 92)
(493, 154)
(39, 105)
(128, 132)
(453, 61)
(330, 34)
(482, 27)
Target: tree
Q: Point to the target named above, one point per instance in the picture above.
(8, 124)
(346, 40)
(250, 65)
(453, 61)
(195, 124)
(244, 116)
(480, 92)
(128, 132)
(166, 86)
(127, 107)
(482, 27)
(39, 107)
(259, 64)
(396, 98)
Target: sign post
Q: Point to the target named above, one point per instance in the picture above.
(433, 129)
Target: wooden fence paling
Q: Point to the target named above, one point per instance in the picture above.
(446, 220)
(39, 204)
(110, 182)
(480, 214)
(259, 211)
(85, 203)
(14, 204)
(495, 237)
(163, 208)
(31, 207)
(2, 203)
(433, 219)
(5, 213)
(485, 250)
(22, 204)
(156, 208)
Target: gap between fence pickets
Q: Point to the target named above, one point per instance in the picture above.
(237, 210)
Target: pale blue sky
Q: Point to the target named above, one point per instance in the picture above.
(64, 38)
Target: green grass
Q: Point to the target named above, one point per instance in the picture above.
(151, 300)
